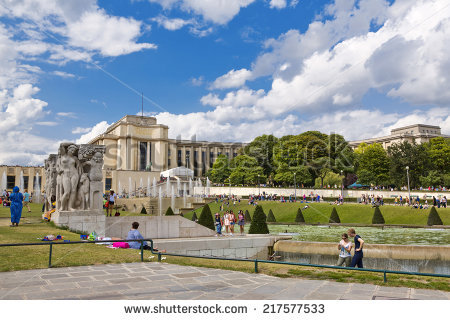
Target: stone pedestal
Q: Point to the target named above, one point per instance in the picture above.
(84, 220)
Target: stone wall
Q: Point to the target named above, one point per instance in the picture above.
(156, 227)
(85, 221)
(322, 192)
(248, 247)
(413, 258)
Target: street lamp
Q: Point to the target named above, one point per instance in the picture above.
(342, 187)
(295, 189)
(259, 188)
(409, 192)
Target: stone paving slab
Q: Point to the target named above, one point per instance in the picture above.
(161, 281)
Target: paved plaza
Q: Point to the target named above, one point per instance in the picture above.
(166, 281)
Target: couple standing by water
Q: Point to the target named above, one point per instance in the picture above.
(345, 248)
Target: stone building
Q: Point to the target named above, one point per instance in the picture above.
(420, 133)
(10, 177)
(138, 149)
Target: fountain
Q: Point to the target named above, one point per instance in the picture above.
(190, 187)
(172, 200)
(141, 187)
(21, 182)
(160, 201)
(168, 187)
(178, 188)
(208, 186)
(3, 182)
(119, 189)
(184, 195)
(37, 190)
(154, 188)
(129, 187)
(148, 187)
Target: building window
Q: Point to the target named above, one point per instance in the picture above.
(11, 182)
(228, 155)
(168, 162)
(195, 163)
(203, 162)
(142, 156)
(108, 184)
(211, 159)
(25, 183)
(179, 158)
(188, 159)
(234, 154)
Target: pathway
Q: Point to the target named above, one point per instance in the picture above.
(167, 281)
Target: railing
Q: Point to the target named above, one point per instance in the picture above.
(255, 261)
(52, 243)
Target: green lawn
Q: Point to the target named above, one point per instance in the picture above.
(348, 213)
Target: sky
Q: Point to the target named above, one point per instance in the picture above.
(219, 70)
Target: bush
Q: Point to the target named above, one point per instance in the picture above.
(377, 217)
(206, 218)
(247, 216)
(434, 218)
(334, 218)
(299, 217)
(258, 225)
(194, 217)
(143, 210)
(271, 217)
(169, 212)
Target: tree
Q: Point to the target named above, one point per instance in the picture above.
(285, 175)
(334, 218)
(373, 164)
(169, 212)
(434, 178)
(206, 218)
(220, 170)
(194, 217)
(299, 217)
(331, 179)
(245, 169)
(258, 225)
(439, 152)
(408, 154)
(433, 218)
(377, 217)
(247, 216)
(261, 148)
(271, 217)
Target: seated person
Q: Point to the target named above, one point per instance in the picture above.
(134, 234)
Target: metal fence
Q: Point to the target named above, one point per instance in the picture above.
(255, 261)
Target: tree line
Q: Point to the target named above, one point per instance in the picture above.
(315, 159)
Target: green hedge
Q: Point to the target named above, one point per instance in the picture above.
(258, 225)
(434, 218)
(299, 217)
(377, 217)
(169, 212)
(206, 218)
(334, 218)
(271, 217)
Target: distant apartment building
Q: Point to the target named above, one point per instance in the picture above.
(420, 133)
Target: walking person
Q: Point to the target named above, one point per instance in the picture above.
(112, 200)
(358, 255)
(218, 224)
(16, 199)
(345, 248)
(226, 221)
(26, 200)
(241, 221)
(232, 222)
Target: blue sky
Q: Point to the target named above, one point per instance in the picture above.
(221, 70)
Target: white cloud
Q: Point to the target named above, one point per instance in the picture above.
(47, 123)
(233, 79)
(96, 130)
(278, 4)
(63, 74)
(219, 12)
(79, 130)
(66, 114)
(171, 24)
(197, 82)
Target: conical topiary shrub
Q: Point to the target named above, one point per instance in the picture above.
(194, 217)
(206, 218)
(434, 218)
(258, 225)
(271, 217)
(334, 218)
(247, 216)
(377, 217)
(299, 217)
(169, 212)
(143, 210)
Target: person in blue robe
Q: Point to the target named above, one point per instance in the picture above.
(16, 206)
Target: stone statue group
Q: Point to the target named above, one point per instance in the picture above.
(74, 177)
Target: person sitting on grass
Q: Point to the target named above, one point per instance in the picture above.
(134, 234)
